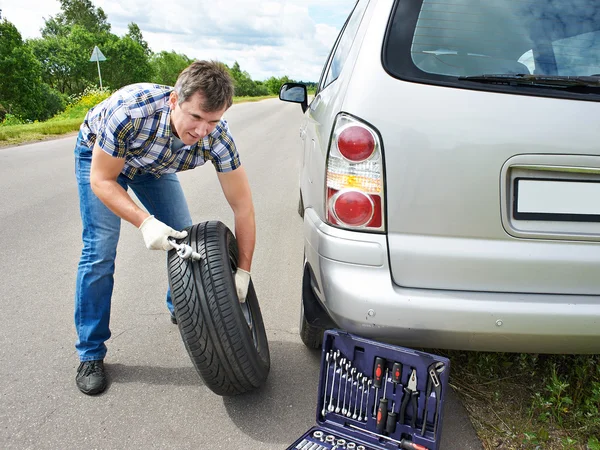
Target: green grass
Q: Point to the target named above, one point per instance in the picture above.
(67, 122)
(530, 401)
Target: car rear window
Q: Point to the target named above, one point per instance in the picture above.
(448, 41)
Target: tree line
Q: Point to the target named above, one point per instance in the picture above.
(39, 76)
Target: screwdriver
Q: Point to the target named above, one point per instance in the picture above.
(382, 411)
(392, 417)
(396, 375)
(377, 374)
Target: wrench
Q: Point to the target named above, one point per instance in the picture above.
(348, 374)
(330, 407)
(324, 410)
(342, 365)
(185, 251)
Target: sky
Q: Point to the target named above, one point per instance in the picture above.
(266, 38)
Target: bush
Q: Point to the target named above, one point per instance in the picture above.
(51, 102)
(11, 119)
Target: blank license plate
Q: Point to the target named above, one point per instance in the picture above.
(577, 201)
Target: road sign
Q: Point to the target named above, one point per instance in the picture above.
(98, 56)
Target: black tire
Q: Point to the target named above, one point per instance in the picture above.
(225, 339)
(311, 336)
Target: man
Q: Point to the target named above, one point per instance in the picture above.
(139, 138)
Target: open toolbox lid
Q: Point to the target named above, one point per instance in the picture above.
(350, 413)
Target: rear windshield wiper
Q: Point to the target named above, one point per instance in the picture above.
(551, 81)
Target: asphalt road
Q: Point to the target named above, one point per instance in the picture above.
(155, 398)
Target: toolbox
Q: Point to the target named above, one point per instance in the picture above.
(376, 396)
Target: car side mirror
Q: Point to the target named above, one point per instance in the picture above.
(295, 93)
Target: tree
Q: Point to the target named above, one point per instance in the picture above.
(126, 62)
(136, 35)
(77, 12)
(244, 85)
(65, 59)
(22, 91)
(166, 67)
(274, 84)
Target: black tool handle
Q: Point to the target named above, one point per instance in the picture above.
(396, 372)
(404, 404)
(391, 422)
(382, 413)
(378, 371)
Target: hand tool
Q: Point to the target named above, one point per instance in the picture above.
(324, 410)
(396, 375)
(410, 393)
(369, 383)
(185, 251)
(346, 411)
(360, 417)
(302, 444)
(403, 444)
(352, 384)
(342, 366)
(377, 374)
(330, 407)
(382, 410)
(348, 372)
(358, 381)
(433, 382)
(390, 426)
(318, 435)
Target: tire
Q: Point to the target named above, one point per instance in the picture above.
(311, 336)
(225, 339)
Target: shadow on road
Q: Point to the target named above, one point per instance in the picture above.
(171, 376)
(288, 399)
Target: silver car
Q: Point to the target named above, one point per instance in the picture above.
(450, 181)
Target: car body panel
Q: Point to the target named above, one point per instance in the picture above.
(454, 267)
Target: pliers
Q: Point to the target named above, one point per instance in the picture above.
(433, 383)
(410, 393)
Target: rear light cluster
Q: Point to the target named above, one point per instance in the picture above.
(354, 176)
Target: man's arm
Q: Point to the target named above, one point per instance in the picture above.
(103, 179)
(237, 192)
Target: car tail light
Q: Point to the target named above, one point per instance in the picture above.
(354, 176)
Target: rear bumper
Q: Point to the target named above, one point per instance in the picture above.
(351, 279)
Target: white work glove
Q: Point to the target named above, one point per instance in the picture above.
(156, 233)
(242, 281)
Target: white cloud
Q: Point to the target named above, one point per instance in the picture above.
(272, 38)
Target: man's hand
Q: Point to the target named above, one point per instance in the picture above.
(242, 281)
(156, 233)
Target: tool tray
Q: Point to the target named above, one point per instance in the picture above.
(349, 403)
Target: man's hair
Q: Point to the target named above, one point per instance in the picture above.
(211, 79)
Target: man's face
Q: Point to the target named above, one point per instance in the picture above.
(189, 121)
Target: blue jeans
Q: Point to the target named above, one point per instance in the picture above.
(162, 197)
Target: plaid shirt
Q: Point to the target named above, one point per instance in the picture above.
(134, 123)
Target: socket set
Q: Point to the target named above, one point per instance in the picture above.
(375, 396)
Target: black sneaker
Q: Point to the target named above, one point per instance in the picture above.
(173, 319)
(91, 379)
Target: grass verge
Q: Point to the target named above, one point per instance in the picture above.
(66, 122)
(530, 401)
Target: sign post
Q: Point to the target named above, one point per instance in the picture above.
(98, 56)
